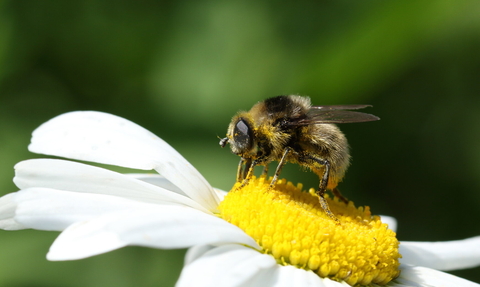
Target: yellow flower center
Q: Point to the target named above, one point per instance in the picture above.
(291, 226)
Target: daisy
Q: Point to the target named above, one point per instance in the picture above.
(250, 237)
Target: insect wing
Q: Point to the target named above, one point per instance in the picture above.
(334, 116)
(339, 107)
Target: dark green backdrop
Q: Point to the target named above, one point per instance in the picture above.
(183, 68)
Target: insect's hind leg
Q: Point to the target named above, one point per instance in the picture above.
(338, 194)
(323, 187)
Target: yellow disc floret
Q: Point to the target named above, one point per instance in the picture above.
(291, 226)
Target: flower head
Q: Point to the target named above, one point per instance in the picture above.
(99, 210)
(291, 226)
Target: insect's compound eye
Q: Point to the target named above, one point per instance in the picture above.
(242, 135)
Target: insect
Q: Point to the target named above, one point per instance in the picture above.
(290, 129)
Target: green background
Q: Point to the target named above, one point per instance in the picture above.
(182, 69)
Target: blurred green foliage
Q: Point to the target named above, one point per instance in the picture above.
(183, 68)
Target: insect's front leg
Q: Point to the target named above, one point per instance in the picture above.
(281, 163)
(265, 170)
(248, 168)
(240, 174)
(244, 175)
(247, 173)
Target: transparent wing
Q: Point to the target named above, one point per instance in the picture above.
(339, 107)
(337, 114)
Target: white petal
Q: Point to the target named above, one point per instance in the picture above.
(416, 276)
(74, 176)
(292, 276)
(235, 265)
(90, 244)
(156, 179)
(50, 209)
(108, 139)
(166, 227)
(391, 221)
(227, 265)
(7, 213)
(447, 255)
(196, 252)
(160, 181)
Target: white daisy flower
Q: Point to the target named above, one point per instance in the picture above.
(248, 238)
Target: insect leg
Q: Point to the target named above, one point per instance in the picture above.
(242, 173)
(265, 170)
(248, 167)
(338, 194)
(239, 170)
(247, 172)
(281, 163)
(323, 187)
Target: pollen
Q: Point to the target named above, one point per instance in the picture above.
(290, 225)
